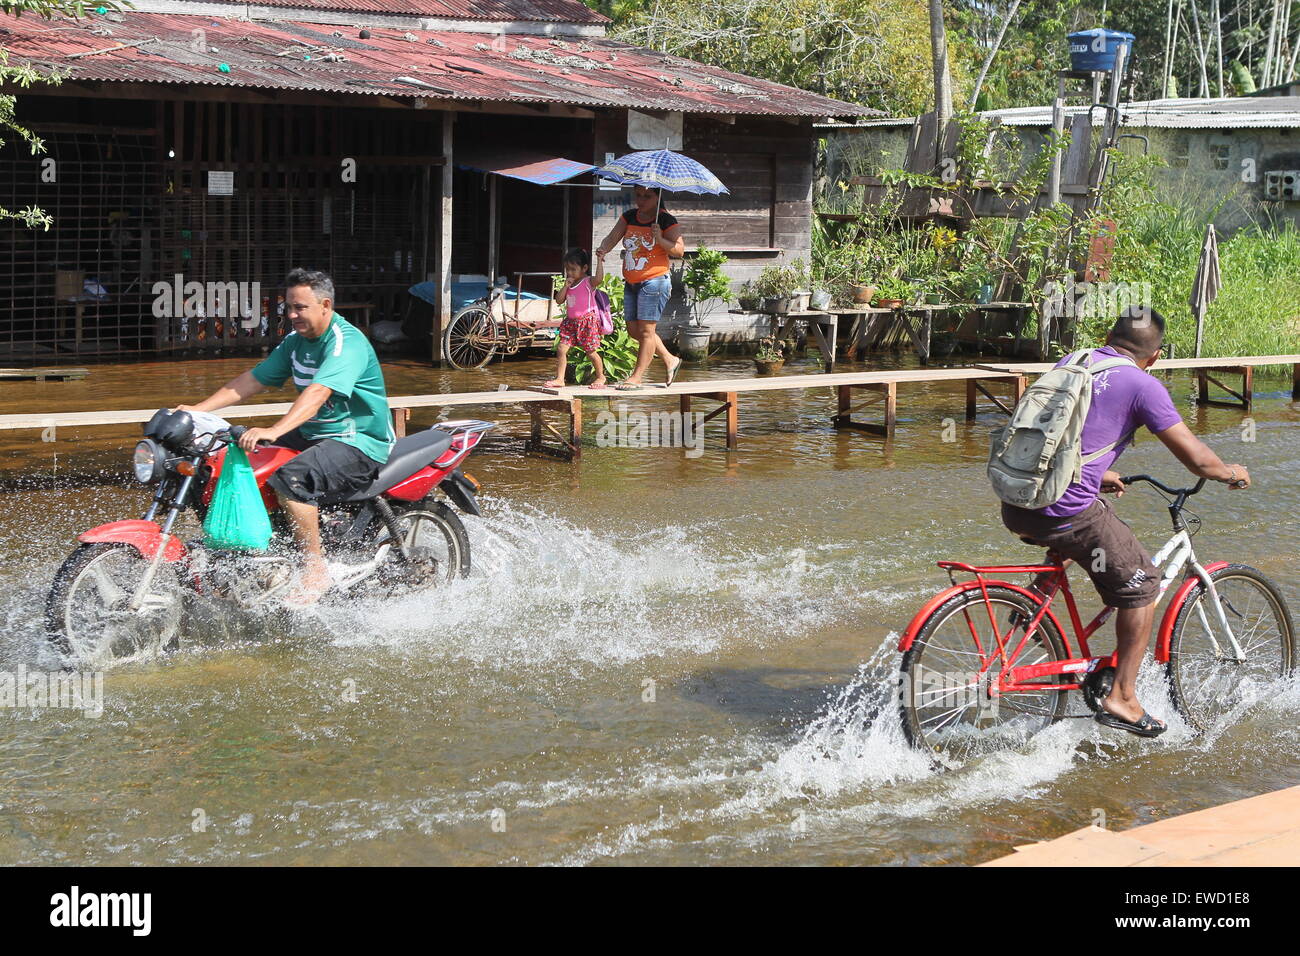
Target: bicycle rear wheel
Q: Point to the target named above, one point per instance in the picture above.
(1206, 679)
(944, 695)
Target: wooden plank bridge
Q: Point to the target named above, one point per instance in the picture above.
(1243, 366)
(879, 388)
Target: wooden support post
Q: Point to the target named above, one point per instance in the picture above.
(442, 313)
(727, 405)
(1244, 398)
(575, 427)
(570, 447)
(685, 407)
(400, 417)
(733, 419)
(975, 388)
(887, 393)
(1295, 382)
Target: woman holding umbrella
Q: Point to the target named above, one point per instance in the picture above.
(650, 236)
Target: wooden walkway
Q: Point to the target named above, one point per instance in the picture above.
(1243, 365)
(724, 393)
(882, 387)
(1257, 831)
(879, 388)
(43, 374)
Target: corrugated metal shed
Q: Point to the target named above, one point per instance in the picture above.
(543, 11)
(1237, 112)
(447, 65)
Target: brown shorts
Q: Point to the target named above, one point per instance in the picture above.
(1101, 544)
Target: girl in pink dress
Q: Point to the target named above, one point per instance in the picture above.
(581, 325)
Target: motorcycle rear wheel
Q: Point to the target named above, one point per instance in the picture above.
(436, 539)
(87, 618)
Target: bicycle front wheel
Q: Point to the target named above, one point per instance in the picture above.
(470, 339)
(1207, 678)
(944, 680)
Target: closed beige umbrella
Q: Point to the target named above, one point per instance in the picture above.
(1206, 286)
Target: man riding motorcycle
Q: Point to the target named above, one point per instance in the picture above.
(340, 421)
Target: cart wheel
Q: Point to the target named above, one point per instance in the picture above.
(470, 340)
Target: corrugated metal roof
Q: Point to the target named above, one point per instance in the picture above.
(1236, 112)
(451, 65)
(544, 11)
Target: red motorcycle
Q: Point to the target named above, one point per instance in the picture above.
(121, 594)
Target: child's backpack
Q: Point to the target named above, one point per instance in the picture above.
(1038, 455)
(604, 317)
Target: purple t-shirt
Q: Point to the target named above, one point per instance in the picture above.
(1124, 398)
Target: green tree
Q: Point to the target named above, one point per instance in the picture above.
(23, 75)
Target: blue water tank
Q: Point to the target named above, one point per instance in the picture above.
(1096, 49)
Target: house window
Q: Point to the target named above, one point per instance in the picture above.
(1219, 155)
(1180, 151)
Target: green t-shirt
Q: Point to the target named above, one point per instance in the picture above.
(343, 360)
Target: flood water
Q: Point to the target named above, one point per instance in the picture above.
(657, 659)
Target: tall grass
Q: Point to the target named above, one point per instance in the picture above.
(1257, 311)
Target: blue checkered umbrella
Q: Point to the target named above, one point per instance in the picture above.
(662, 169)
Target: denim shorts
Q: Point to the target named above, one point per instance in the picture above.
(646, 301)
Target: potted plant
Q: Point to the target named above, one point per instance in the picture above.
(747, 297)
(799, 280)
(773, 286)
(892, 292)
(705, 282)
(770, 356)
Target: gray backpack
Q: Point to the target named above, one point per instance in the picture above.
(1038, 455)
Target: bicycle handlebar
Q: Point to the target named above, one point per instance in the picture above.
(1176, 492)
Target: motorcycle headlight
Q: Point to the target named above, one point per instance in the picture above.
(147, 461)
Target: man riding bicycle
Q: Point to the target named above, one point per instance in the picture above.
(1083, 527)
(340, 421)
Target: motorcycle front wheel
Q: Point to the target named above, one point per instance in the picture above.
(88, 617)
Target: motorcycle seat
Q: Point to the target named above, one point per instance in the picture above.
(408, 456)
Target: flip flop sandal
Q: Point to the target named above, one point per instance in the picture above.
(672, 374)
(1144, 726)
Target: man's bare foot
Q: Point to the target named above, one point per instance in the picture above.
(553, 383)
(598, 383)
(1124, 708)
(312, 584)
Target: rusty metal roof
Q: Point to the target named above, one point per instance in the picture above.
(544, 11)
(439, 65)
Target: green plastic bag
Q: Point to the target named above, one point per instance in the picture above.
(237, 518)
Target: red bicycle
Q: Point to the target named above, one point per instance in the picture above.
(987, 663)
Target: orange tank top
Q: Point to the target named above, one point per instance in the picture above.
(643, 258)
